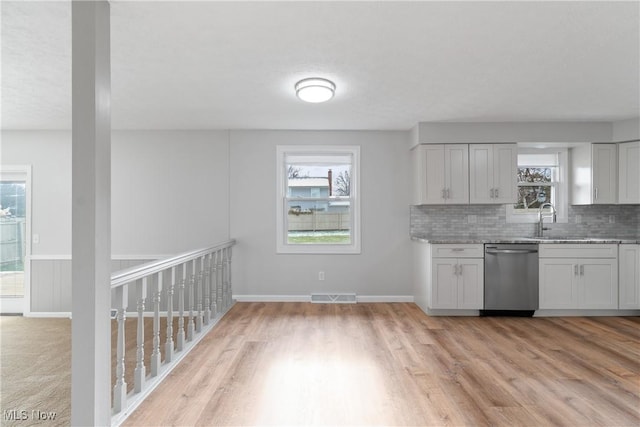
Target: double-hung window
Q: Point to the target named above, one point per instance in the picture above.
(318, 208)
(541, 178)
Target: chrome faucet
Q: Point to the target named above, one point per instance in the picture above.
(542, 216)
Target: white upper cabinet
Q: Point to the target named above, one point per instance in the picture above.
(441, 174)
(492, 172)
(594, 174)
(629, 172)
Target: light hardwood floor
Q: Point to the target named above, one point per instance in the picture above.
(390, 364)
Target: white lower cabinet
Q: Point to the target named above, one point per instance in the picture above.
(456, 283)
(629, 257)
(578, 282)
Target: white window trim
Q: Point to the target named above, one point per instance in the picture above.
(562, 189)
(282, 246)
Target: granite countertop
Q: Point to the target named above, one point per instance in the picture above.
(482, 240)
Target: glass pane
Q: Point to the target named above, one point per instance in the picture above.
(12, 237)
(533, 197)
(535, 175)
(319, 222)
(318, 180)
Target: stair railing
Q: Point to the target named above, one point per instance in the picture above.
(202, 281)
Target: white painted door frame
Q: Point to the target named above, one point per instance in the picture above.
(10, 304)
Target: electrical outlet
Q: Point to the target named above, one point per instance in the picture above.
(578, 219)
(472, 219)
(320, 275)
(612, 219)
(36, 239)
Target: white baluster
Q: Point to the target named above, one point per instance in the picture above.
(120, 388)
(183, 283)
(229, 283)
(198, 280)
(168, 346)
(213, 283)
(225, 280)
(219, 282)
(206, 287)
(192, 279)
(155, 354)
(140, 370)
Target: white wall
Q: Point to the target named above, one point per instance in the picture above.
(49, 153)
(384, 266)
(626, 130)
(170, 189)
(438, 133)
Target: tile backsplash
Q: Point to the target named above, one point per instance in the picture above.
(443, 221)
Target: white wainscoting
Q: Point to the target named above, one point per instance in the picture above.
(50, 282)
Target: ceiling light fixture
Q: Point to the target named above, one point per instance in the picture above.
(315, 89)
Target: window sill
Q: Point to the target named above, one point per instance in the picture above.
(514, 217)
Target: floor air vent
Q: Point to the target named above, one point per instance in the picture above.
(334, 298)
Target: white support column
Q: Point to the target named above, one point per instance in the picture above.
(91, 214)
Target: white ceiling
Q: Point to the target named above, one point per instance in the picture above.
(233, 65)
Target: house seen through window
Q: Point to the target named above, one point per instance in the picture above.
(319, 205)
(541, 178)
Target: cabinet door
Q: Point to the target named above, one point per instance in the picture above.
(558, 283)
(444, 284)
(480, 173)
(605, 173)
(504, 173)
(456, 165)
(598, 285)
(471, 283)
(629, 172)
(434, 174)
(629, 277)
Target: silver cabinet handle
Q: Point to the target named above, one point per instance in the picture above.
(491, 193)
(510, 251)
(448, 195)
(497, 192)
(596, 193)
(575, 270)
(444, 194)
(582, 270)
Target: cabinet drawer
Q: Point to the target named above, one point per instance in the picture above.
(457, 251)
(562, 250)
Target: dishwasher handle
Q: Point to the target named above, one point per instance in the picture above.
(510, 251)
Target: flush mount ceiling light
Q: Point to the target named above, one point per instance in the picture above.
(315, 89)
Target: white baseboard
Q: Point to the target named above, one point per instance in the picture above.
(272, 298)
(585, 313)
(56, 314)
(307, 298)
(384, 298)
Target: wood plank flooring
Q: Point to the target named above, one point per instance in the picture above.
(390, 364)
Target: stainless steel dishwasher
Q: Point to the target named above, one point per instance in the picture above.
(510, 279)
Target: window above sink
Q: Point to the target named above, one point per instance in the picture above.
(542, 178)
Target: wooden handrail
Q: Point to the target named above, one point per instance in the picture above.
(132, 274)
